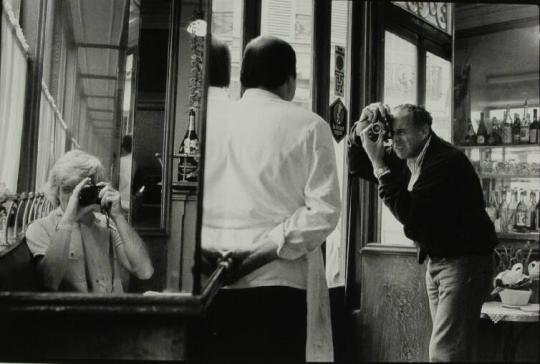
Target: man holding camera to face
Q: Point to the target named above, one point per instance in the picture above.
(432, 189)
(83, 244)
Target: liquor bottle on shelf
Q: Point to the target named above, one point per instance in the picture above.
(189, 149)
(525, 125)
(503, 210)
(507, 127)
(521, 221)
(533, 130)
(494, 137)
(537, 209)
(512, 206)
(470, 137)
(532, 211)
(516, 130)
(491, 209)
(481, 134)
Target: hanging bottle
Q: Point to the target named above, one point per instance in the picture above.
(189, 149)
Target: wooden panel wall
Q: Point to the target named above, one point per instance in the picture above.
(395, 321)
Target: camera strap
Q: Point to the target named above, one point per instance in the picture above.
(111, 252)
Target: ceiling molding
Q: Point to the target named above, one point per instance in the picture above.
(497, 27)
(509, 78)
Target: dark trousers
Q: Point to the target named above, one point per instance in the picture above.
(457, 288)
(256, 325)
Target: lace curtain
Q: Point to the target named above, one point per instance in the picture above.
(13, 70)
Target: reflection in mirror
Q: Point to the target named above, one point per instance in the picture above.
(74, 235)
(496, 66)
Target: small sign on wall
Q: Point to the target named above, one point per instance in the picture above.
(339, 71)
(338, 119)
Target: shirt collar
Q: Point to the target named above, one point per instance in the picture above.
(259, 93)
(415, 163)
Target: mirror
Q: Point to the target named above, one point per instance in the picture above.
(122, 81)
(495, 63)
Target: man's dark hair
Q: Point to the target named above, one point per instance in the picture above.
(219, 73)
(268, 62)
(420, 115)
(126, 143)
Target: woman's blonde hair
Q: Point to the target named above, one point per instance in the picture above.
(69, 170)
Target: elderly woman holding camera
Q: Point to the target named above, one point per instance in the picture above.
(76, 247)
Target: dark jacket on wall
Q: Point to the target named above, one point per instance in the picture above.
(444, 213)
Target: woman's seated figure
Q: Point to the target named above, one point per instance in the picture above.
(78, 248)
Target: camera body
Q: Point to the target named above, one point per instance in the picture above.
(381, 125)
(89, 195)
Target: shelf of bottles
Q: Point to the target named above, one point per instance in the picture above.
(506, 156)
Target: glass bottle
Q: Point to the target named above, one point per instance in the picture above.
(507, 127)
(533, 130)
(532, 210)
(521, 220)
(189, 149)
(481, 134)
(516, 130)
(494, 137)
(504, 211)
(537, 225)
(470, 137)
(512, 206)
(525, 125)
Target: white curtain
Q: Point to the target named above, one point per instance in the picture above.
(52, 136)
(45, 141)
(13, 68)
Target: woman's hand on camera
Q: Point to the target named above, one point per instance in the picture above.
(73, 213)
(110, 199)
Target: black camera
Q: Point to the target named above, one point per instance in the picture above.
(381, 125)
(89, 195)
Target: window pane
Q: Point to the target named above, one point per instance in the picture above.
(438, 91)
(400, 86)
(400, 67)
(227, 17)
(293, 21)
(335, 244)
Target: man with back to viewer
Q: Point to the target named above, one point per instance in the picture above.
(431, 187)
(271, 199)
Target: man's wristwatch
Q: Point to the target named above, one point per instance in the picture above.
(379, 172)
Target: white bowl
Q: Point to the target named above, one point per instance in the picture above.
(514, 297)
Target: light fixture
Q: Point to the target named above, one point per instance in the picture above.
(197, 27)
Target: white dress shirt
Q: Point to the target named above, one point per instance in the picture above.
(270, 171)
(415, 165)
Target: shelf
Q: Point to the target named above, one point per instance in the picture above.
(499, 176)
(176, 155)
(534, 236)
(185, 185)
(498, 146)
